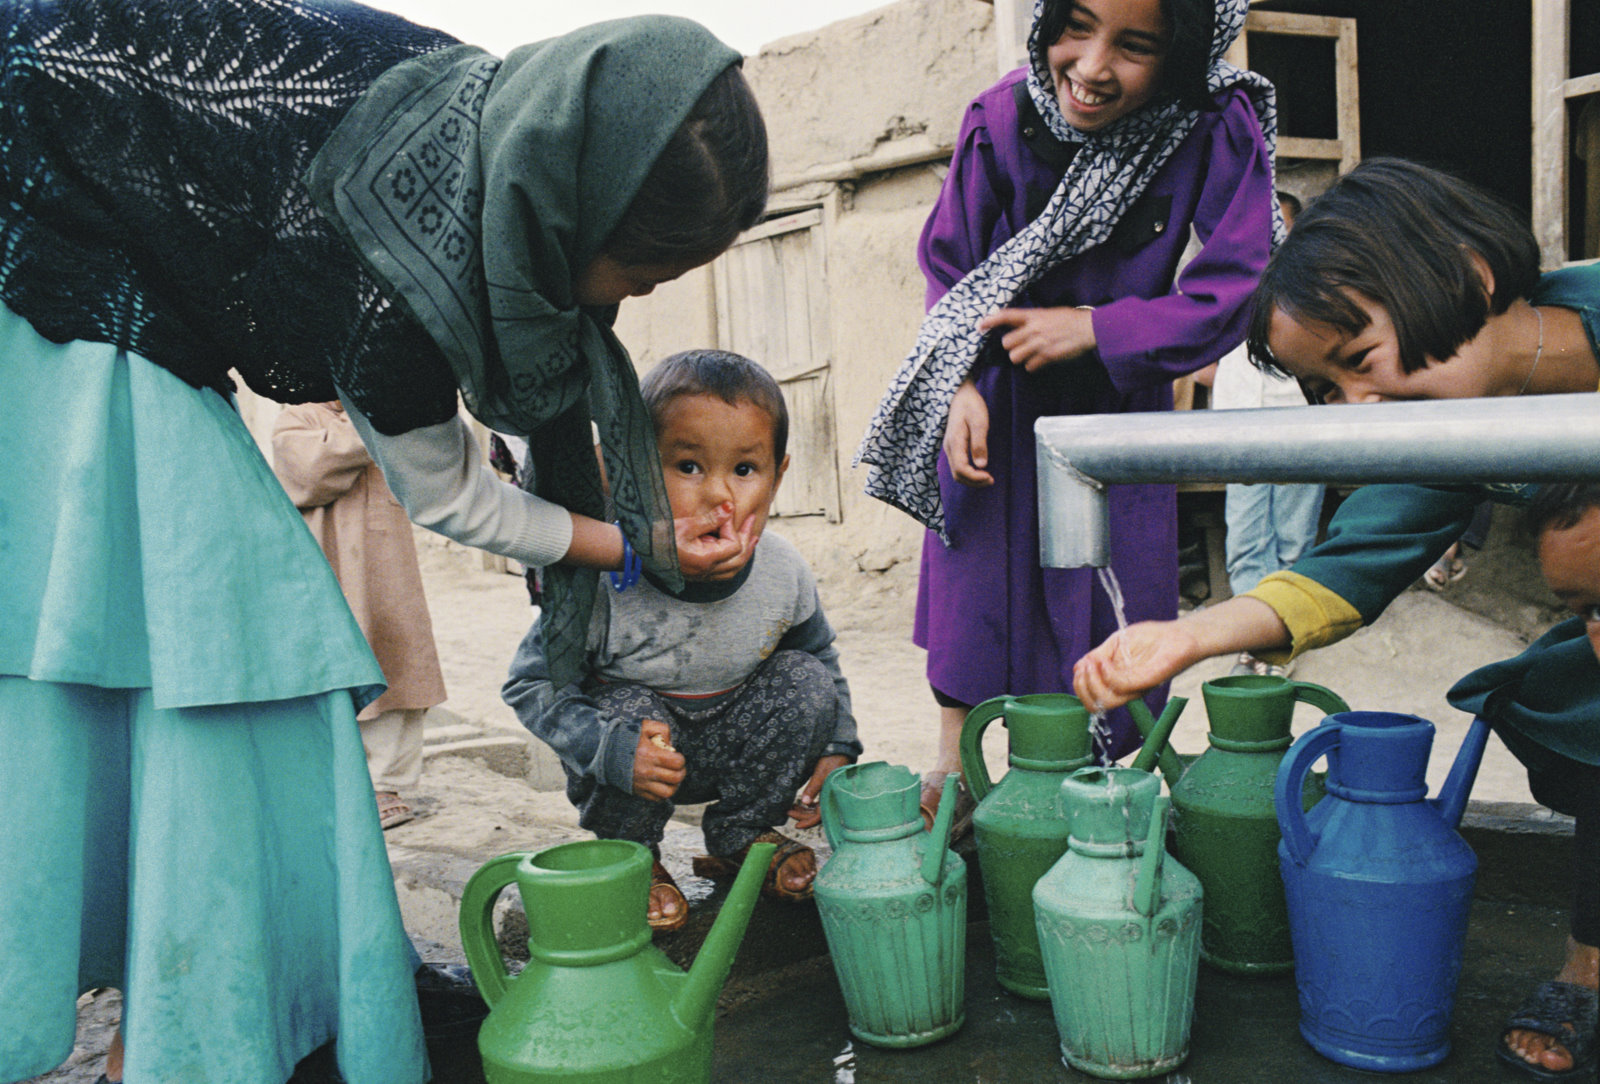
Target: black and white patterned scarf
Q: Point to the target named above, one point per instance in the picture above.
(1108, 174)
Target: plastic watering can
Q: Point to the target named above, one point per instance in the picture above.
(893, 903)
(1119, 929)
(597, 1002)
(1225, 824)
(1379, 884)
(1018, 827)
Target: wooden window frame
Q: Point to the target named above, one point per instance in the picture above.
(818, 366)
(1345, 148)
(1554, 89)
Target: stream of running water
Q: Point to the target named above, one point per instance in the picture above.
(1098, 729)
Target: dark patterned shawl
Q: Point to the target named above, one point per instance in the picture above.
(151, 194)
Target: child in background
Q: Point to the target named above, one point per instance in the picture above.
(1401, 282)
(318, 456)
(727, 692)
(1557, 681)
(1072, 195)
(1269, 526)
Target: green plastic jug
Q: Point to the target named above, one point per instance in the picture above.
(1225, 829)
(597, 1003)
(1018, 826)
(893, 903)
(1119, 929)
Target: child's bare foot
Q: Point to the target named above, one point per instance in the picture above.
(1544, 1049)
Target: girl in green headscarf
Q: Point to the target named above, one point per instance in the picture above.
(331, 202)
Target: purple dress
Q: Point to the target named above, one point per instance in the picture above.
(992, 620)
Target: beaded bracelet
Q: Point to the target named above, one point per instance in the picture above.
(632, 565)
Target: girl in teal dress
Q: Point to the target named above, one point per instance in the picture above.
(1401, 283)
(329, 201)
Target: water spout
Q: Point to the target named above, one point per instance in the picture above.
(1544, 438)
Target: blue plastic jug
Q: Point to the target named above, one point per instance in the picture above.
(1378, 885)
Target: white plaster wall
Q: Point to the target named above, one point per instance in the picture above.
(841, 92)
(897, 77)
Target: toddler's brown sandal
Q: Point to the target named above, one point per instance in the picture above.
(712, 867)
(664, 890)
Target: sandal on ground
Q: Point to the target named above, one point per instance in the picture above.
(933, 790)
(392, 809)
(1445, 571)
(1567, 1013)
(1247, 664)
(706, 865)
(663, 890)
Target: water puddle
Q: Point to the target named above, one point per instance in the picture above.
(844, 1065)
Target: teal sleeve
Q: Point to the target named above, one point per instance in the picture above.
(1548, 695)
(1384, 537)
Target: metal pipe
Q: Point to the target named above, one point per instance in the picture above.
(1543, 438)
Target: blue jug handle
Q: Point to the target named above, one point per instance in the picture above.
(1288, 788)
(830, 813)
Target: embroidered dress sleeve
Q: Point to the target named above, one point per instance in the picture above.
(568, 721)
(1144, 342)
(438, 474)
(1379, 542)
(317, 455)
(815, 636)
(957, 235)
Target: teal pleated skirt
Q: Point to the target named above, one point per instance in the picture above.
(184, 798)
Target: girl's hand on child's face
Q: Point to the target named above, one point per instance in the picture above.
(1039, 337)
(658, 768)
(711, 546)
(966, 437)
(805, 813)
(1139, 657)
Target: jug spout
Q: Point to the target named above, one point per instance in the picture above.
(1151, 730)
(1155, 742)
(709, 971)
(1452, 799)
(933, 857)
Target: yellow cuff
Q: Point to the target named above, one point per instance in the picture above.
(1315, 615)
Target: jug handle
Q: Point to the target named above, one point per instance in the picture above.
(972, 765)
(1319, 696)
(1147, 889)
(1171, 767)
(477, 924)
(1289, 788)
(939, 839)
(826, 805)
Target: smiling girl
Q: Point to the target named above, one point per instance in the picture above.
(1052, 262)
(1401, 282)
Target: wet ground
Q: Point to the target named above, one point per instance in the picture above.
(794, 1030)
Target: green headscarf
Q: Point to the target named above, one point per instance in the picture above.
(478, 190)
